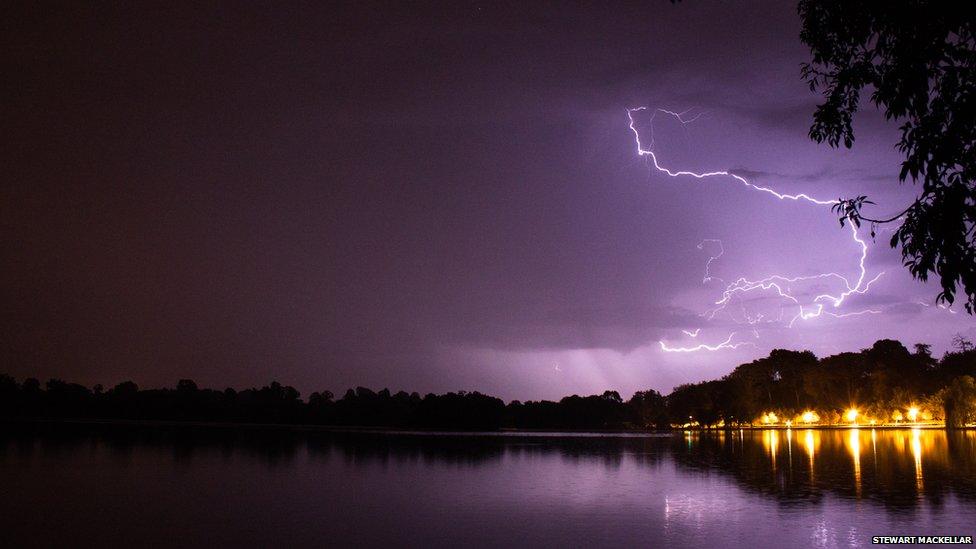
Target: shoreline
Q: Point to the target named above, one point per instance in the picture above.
(504, 431)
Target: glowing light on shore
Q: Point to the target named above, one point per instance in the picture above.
(851, 415)
(912, 413)
(809, 416)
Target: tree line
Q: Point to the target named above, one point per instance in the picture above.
(881, 382)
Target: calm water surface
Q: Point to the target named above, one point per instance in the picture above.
(191, 487)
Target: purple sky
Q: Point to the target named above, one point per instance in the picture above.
(424, 198)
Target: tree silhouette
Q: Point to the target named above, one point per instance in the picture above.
(960, 402)
(919, 59)
(882, 380)
(962, 343)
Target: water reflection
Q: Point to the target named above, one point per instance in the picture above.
(811, 446)
(771, 441)
(917, 454)
(904, 467)
(854, 445)
(694, 487)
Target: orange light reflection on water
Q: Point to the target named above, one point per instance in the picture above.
(917, 454)
(894, 454)
(854, 444)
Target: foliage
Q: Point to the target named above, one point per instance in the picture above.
(919, 59)
(880, 380)
(960, 401)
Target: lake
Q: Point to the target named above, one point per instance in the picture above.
(213, 486)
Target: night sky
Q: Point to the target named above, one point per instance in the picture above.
(426, 198)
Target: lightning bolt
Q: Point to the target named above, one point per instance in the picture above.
(779, 285)
(856, 313)
(940, 305)
(727, 344)
(641, 151)
(708, 264)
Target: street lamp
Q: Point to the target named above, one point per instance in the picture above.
(912, 414)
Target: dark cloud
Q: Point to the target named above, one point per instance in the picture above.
(827, 173)
(622, 329)
(334, 194)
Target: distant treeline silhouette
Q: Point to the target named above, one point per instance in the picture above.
(878, 381)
